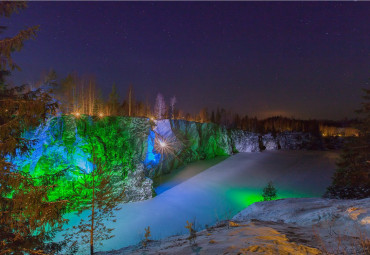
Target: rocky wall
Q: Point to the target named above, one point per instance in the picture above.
(132, 148)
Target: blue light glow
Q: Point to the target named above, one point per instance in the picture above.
(152, 158)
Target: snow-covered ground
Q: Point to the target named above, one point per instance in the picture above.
(341, 216)
(298, 226)
(222, 191)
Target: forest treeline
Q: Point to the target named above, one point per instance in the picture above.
(80, 95)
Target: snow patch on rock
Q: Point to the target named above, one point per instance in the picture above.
(341, 216)
(137, 186)
(245, 141)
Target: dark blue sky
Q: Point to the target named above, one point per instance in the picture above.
(302, 59)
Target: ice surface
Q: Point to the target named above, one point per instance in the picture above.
(222, 191)
(181, 174)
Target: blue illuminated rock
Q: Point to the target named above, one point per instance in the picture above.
(132, 147)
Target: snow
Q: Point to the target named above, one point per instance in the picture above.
(337, 224)
(228, 238)
(286, 226)
(220, 192)
(343, 216)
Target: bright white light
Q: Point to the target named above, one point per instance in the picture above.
(162, 144)
(101, 115)
(77, 114)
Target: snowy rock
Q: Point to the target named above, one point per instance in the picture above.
(294, 140)
(289, 226)
(137, 186)
(346, 217)
(249, 142)
(270, 142)
(245, 141)
(64, 142)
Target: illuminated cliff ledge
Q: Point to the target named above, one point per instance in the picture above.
(64, 145)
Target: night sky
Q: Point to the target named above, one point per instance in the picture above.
(301, 59)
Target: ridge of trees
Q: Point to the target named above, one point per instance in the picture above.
(80, 95)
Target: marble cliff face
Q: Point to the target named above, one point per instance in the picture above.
(139, 149)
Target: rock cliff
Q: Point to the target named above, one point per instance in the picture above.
(133, 148)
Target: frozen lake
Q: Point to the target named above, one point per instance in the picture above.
(181, 174)
(221, 191)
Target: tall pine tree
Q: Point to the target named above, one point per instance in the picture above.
(96, 194)
(352, 177)
(27, 218)
(113, 101)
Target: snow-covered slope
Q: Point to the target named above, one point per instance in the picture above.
(299, 226)
(220, 192)
(257, 238)
(341, 216)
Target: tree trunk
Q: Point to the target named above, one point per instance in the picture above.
(92, 217)
(129, 101)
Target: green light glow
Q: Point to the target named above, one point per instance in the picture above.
(244, 197)
(65, 144)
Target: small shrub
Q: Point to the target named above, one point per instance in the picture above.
(146, 236)
(269, 192)
(192, 232)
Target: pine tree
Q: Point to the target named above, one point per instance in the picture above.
(213, 119)
(27, 218)
(218, 116)
(352, 177)
(15, 43)
(67, 94)
(131, 101)
(113, 101)
(269, 192)
(96, 194)
(49, 82)
(203, 115)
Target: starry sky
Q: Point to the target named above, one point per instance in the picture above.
(301, 59)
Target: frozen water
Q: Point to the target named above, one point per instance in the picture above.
(222, 191)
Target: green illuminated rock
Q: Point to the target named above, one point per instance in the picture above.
(128, 145)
